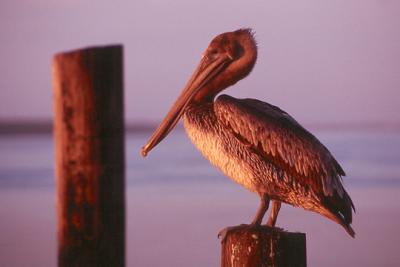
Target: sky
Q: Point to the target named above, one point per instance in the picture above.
(321, 61)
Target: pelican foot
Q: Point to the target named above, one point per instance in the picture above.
(275, 229)
(224, 232)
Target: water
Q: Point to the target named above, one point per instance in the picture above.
(177, 203)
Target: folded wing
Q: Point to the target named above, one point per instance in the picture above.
(274, 133)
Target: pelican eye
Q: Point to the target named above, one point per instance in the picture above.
(212, 53)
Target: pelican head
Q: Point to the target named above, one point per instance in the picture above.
(229, 58)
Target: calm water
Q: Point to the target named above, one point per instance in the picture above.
(177, 203)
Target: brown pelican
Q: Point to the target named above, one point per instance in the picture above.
(256, 144)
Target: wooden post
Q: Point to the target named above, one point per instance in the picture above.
(89, 137)
(246, 246)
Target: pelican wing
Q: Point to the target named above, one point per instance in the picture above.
(281, 139)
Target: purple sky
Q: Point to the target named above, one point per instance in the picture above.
(321, 61)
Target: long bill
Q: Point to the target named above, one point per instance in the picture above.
(205, 71)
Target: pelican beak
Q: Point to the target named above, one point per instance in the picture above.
(206, 71)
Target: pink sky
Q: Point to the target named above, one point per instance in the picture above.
(322, 61)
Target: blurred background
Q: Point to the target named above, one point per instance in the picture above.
(334, 66)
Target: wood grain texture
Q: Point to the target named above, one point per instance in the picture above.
(263, 246)
(89, 138)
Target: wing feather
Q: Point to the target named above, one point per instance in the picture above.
(275, 133)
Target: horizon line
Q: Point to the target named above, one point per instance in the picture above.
(45, 126)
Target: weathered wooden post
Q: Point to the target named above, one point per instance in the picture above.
(263, 246)
(89, 137)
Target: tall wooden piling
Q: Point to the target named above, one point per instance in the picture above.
(263, 246)
(89, 137)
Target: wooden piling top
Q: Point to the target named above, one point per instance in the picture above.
(250, 246)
